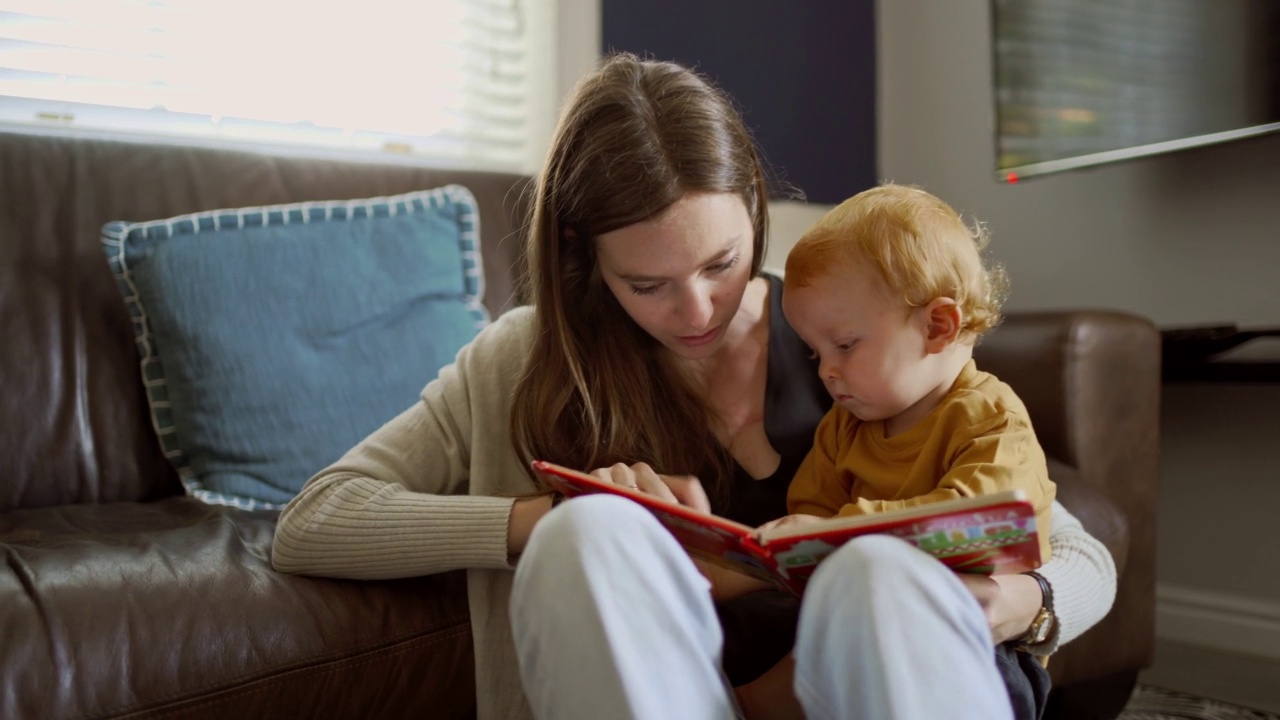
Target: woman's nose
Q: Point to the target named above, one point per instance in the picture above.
(695, 307)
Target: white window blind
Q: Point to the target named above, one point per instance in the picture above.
(453, 81)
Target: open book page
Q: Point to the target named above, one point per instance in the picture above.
(988, 534)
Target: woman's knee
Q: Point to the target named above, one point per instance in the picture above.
(875, 562)
(587, 522)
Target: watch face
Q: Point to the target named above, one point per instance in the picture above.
(1040, 627)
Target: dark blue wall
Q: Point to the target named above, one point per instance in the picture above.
(802, 71)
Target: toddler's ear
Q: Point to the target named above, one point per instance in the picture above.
(943, 319)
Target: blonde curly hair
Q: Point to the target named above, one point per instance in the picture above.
(919, 246)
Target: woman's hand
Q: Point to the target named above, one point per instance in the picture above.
(681, 489)
(1010, 602)
(525, 513)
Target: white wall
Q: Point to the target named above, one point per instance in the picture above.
(787, 222)
(1185, 238)
(574, 26)
(577, 42)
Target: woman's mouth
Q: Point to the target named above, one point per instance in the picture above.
(698, 340)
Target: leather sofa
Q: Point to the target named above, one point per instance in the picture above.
(121, 597)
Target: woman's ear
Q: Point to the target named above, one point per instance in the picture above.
(943, 320)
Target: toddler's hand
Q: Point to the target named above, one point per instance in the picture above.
(789, 521)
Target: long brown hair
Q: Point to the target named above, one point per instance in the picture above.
(635, 137)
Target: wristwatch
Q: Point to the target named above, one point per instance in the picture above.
(1044, 622)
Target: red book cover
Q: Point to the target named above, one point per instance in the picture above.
(988, 534)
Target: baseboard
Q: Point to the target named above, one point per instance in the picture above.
(1221, 621)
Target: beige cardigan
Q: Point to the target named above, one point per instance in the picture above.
(419, 497)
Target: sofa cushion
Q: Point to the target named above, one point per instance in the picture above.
(171, 609)
(273, 339)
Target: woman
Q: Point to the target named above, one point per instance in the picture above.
(653, 338)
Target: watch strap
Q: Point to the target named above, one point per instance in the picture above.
(1046, 590)
(1042, 626)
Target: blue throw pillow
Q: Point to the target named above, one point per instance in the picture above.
(273, 339)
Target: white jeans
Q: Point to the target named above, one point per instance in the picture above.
(612, 621)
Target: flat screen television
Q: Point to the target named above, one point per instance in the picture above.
(1085, 82)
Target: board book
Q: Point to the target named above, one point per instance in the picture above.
(989, 534)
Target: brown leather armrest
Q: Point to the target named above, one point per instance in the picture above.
(1099, 515)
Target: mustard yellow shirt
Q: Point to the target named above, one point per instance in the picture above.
(977, 440)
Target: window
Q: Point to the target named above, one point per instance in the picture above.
(465, 83)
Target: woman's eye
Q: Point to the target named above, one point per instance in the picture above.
(644, 289)
(726, 265)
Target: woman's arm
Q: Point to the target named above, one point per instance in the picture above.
(1081, 573)
(1083, 577)
(423, 493)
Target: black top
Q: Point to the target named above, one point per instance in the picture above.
(759, 629)
(794, 403)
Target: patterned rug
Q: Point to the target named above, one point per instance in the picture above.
(1153, 703)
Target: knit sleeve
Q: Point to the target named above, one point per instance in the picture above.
(1083, 577)
(404, 501)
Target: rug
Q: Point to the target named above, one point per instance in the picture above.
(1153, 703)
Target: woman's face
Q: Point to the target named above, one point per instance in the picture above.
(681, 274)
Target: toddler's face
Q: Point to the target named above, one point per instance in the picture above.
(870, 345)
